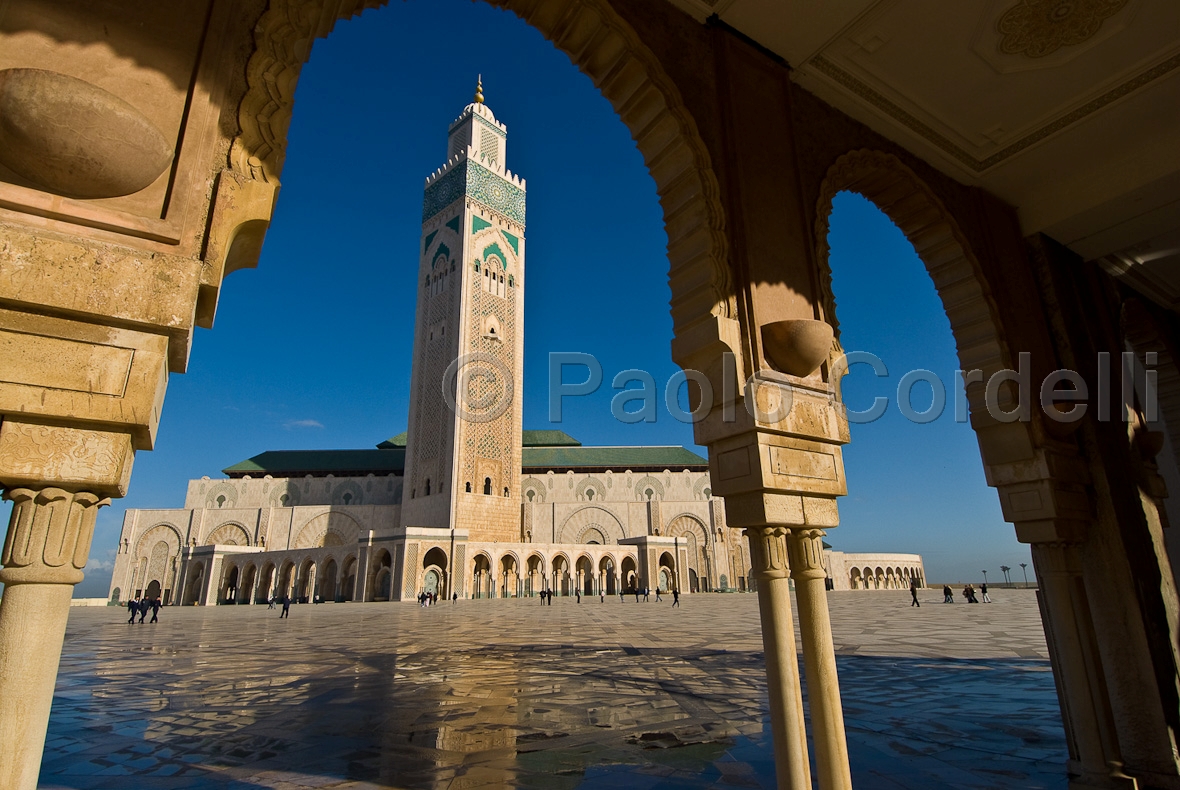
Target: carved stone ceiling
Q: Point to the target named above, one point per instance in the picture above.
(1067, 109)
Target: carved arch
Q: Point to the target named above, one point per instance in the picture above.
(327, 529)
(230, 533)
(156, 533)
(603, 46)
(577, 523)
(940, 244)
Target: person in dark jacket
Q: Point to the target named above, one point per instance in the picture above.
(133, 607)
(155, 610)
(286, 608)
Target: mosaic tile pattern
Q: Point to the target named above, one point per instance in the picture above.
(509, 693)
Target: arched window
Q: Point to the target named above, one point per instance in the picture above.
(510, 283)
(477, 264)
(531, 493)
(487, 485)
(649, 493)
(221, 500)
(347, 497)
(468, 486)
(590, 494)
(505, 491)
(427, 492)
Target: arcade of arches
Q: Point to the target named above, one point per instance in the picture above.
(1047, 232)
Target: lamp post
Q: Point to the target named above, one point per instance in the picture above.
(1024, 567)
(984, 576)
(1004, 570)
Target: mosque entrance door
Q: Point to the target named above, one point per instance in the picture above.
(430, 583)
(153, 590)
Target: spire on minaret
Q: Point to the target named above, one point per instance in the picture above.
(479, 90)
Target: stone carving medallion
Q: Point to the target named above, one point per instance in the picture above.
(1036, 28)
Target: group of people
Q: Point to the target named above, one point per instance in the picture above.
(948, 595)
(430, 598)
(546, 596)
(139, 607)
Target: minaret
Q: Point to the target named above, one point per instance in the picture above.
(463, 457)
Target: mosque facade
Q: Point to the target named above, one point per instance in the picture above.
(465, 502)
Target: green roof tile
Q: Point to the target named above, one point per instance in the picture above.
(394, 442)
(611, 458)
(343, 463)
(548, 439)
(543, 450)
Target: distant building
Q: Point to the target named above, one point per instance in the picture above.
(465, 501)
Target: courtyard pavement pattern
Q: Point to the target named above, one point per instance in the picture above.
(509, 693)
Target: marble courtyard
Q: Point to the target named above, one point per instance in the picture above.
(509, 693)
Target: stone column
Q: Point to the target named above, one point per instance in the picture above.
(1085, 711)
(819, 659)
(45, 550)
(768, 552)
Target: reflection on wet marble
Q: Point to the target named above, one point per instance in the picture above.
(510, 693)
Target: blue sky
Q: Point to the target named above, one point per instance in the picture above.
(312, 349)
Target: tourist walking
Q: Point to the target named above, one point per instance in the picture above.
(578, 595)
(454, 598)
(155, 610)
(658, 598)
(133, 607)
(914, 593)
(646, 594)
(983, 591)
(969, 594)
(143, 609)
(286, 608)
(676, 599)
(603, 594)
(271, 601)
(947, 595)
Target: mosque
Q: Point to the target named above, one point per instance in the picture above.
(465, 502)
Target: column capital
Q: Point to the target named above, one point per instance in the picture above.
(768, 552)
(49, 534)
(806, 548)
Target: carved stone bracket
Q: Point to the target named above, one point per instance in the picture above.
(49, 535)
(768, 552)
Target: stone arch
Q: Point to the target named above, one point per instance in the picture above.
(285, 496)
(221, 495)
(576, 523)
(534, 485)
(592, 534)
(603, 46)
(942, 247)
(327, 529)
(152, 536)
(591, 490)
(230, 533)
(348, 492)
(646, 483)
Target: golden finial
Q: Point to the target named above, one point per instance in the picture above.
(479, 90)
